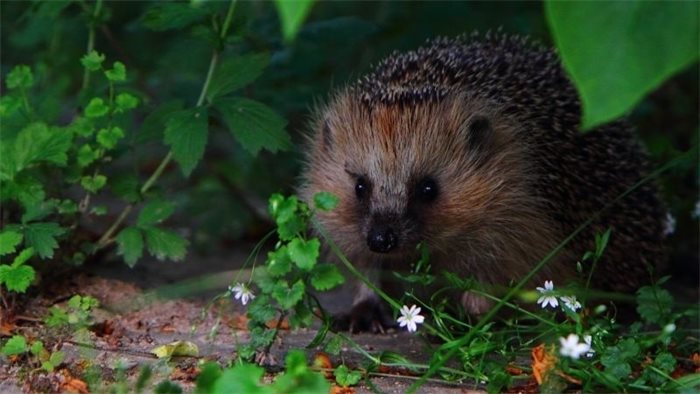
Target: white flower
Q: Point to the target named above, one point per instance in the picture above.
(571, 302)
(410, 317)
(696, 212)
(588, 339)
(241, 292)
(548, 297)
(669, 225)
(570, 346)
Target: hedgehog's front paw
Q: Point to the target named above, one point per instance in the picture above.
(368, 315)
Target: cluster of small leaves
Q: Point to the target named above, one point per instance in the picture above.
(77, 314)
(290, 272)
(18, 275)
(37, 353)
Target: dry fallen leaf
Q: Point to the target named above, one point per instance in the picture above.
(323, 363)
(335, 389)
(543, 362)
(73, 385)
(177, 348)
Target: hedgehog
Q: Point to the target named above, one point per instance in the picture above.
(472, 146)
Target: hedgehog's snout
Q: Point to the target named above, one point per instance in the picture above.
(381, 237)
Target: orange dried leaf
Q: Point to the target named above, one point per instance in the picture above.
(543, 362)
(342, 390)
(323, 363)
(73, 385)
(283, 325)
(513, 370)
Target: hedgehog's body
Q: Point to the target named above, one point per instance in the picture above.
(473, 146)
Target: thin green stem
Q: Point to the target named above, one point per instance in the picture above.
(91, 41)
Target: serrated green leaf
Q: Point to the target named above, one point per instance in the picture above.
(9, 105)
(82, 127)
(87, 155)
(209, 374)
(130, 245)
(165, 244)
(345, 377)
(654, 304)
(42, 237)
(186, 134)
(288, 296)
(38, 211)
(326, 276)
(155, 212)
(15, 345)
(236, 73)
(173, 15)
(325, 201)
(125, 102)
(37, 348)
(260, 309)
(304, 253)
(67, 207)
(623, 33)
(9, 240)
(17, 277)
(23, 256)
(278, 262)
(108, 138)
(117, 73)
(96, 108)
(34, 143)
(126, 187)
(93, 60)
(20, 77)
(255, 125)
(292, 15)
(242, 378)
(94, 183)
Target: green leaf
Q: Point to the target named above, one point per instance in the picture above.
(34, 143)
(93, 60)
(117, 73)
(125, 102)
(236, 73)
(37, 348)
(42, 237)
(127, 187)
(130, 245)
(96, 108)
(242, 378)
(292, 15)
(654, 304)
(175, 15)
(20, 77)
(165, 244)
(167, 387)
(108, 138)
(94, 183)
(8, 241)
(254, 124)
(304, 253)
(326, 276)
(325, 201)
(288, 296)
(38, 211)
(9, 105)
(278, 262)
(345, 377)
(67, 207)
(15, 345)
(18, 277)
(618, 52)
(23, 256)
(209, 373)
(260, 309)
(155, 212)
(57, 358)
(87, 155)
(186, 134)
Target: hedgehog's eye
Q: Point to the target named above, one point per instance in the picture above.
(427, 190)
(361, 188)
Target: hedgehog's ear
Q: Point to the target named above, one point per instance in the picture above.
(479, 132)
(326, 136)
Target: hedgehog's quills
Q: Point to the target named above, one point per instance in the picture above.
(472, 145)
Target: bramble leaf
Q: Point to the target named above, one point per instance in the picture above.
(15, 345)
(654, 304)
(236, 73)
(17, 277)
(186, 134)
(130, 245)
(42, 237)
(255, 125)
(164, 244)
(155, 212)
(9, 240)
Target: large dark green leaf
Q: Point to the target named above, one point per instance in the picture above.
(255, 125)
(186, 133)
(236, 73)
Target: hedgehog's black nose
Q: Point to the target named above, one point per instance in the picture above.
(381, 239)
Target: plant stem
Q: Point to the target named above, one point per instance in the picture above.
(106, 237)
(91, 41)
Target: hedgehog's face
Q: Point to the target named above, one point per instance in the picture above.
(404, 174)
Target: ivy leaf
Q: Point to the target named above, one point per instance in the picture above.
(117, 73)
(278, 262)
(93, 183)
(9, 240)
(93, 60)
(345, 377)
(125, 102)
(304, 253)
(130, 245)
(20, 77)
(254, 124)
(325, 201)
(292, 15)
(174, 15)
(624, 34)
(186, 133)
(164, 244)
(236, 73)
(15, 345)
(108, 138)
(326, 276)
(96, 108)
(42, 237)
(154, 212)
(288, 296)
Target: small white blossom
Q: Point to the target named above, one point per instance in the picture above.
(410, 318)
(548, 297)
(669, 225)
(570, 346)
(241, 292)
(696, 211)
(588, 339)
(669, 328)
(571, 302)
